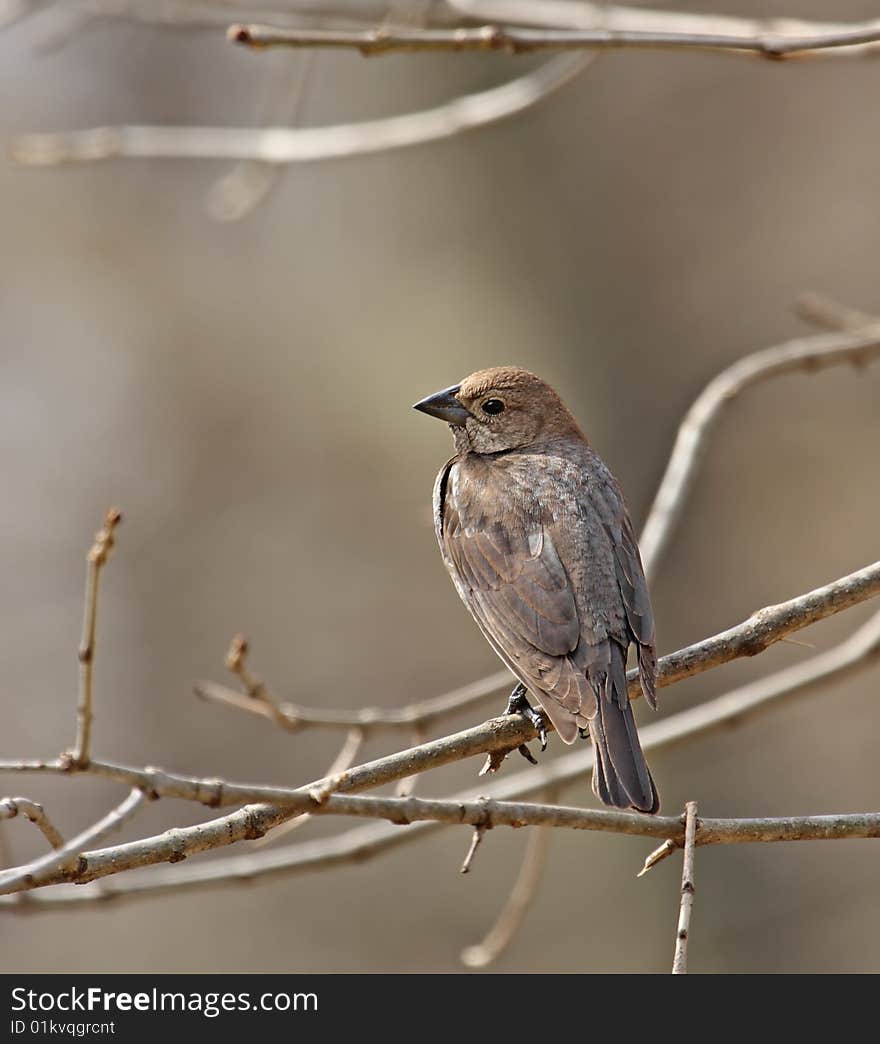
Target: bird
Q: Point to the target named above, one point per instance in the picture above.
(535, 533)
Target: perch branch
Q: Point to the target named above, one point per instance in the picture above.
(748, 638)
(96, 559)
(688, 888)
(762, 629)
(361, 843)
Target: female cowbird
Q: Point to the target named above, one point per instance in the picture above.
(535, 533)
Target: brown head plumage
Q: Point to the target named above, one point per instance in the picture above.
(502, 408)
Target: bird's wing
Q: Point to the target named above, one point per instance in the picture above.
(517, 588)
(559, 600)
(630, 588)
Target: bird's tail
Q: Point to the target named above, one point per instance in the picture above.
(621, 777)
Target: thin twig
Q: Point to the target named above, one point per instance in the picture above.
(96, 560)
(807, 354)
(526, 41)
(830, 315)
(11, 807)
(688, 888)
(255, 690)
(658, 855)
(419, 714)
(303, 144)
(476, 839)
(68, 858)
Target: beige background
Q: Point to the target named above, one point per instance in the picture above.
(243, 392)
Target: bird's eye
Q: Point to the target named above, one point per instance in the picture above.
(493, 407)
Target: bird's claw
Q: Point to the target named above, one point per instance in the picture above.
(527, 754)
(519, 704)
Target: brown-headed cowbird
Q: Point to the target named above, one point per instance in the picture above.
(535, 533)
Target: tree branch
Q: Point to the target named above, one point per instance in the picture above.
(688, 888)
(97, 558)
(303, 144)
(358, 844)
(386, 40)
(807, 354)
(481, 813)
(68, 859)
(10, 807)
(755, 634)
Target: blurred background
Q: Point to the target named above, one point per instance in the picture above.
(242, 390)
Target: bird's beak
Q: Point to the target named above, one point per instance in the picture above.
(445, 406)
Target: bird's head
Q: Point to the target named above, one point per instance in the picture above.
(500, 409)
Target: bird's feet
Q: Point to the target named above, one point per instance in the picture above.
(519, 704)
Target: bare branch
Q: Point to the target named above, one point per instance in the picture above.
(752, 636)
(688, 888)
(11, 807)
(361, 843)
(420, 714)
(524, 41)
(581, 14)
(481, 813)
(802, 354)
(762, 629)
(256, 693)
(96, 559)
(657, 856)
(305, 144)
(765, 627)
(67, 858)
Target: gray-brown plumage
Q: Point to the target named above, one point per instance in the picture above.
(535, 534)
